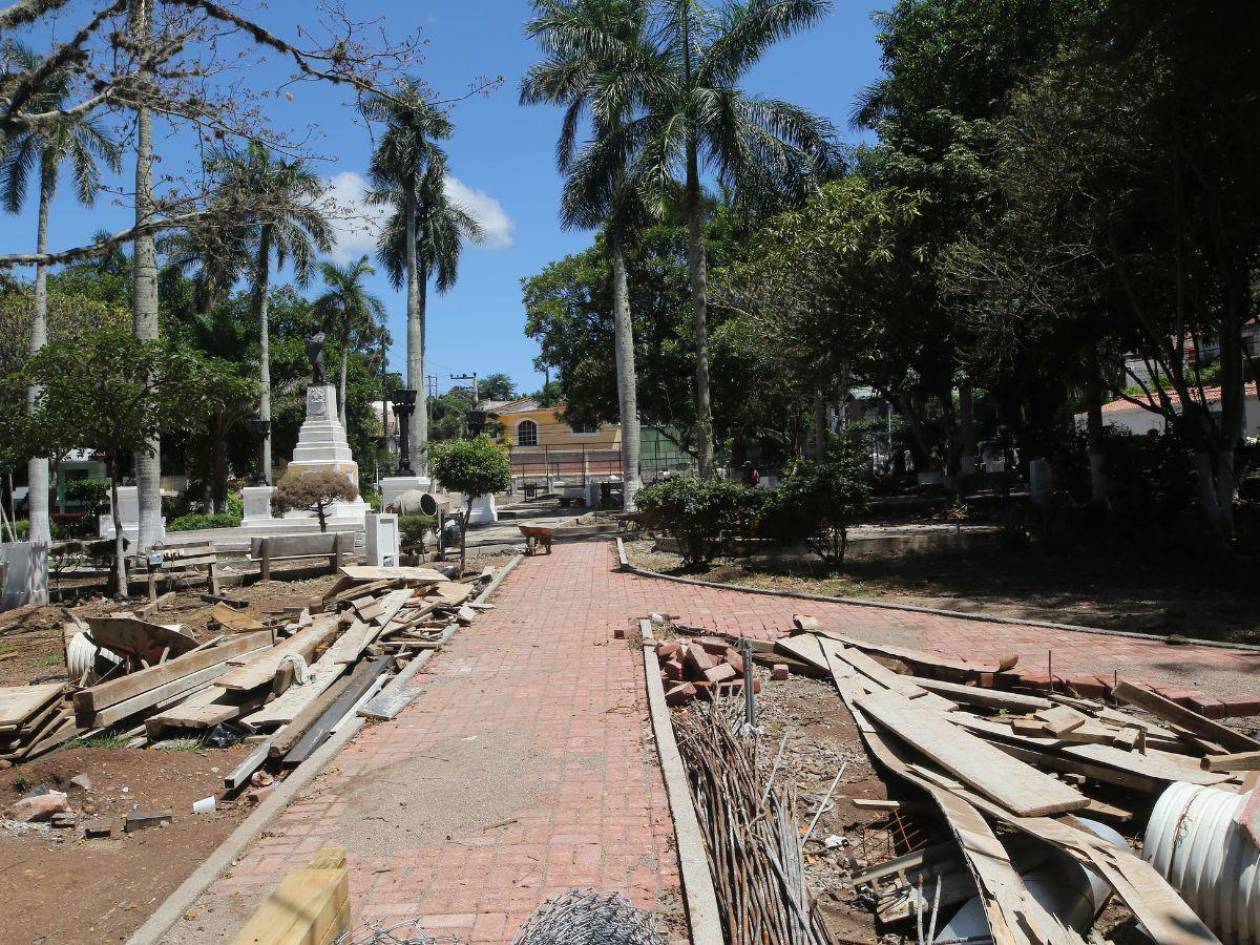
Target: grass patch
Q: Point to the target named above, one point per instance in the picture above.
(51, 659)
(183, 744)
(21, 785)
(103, 740)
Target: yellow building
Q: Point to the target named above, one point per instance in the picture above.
(542, 443)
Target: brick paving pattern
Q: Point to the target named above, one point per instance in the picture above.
(559, 785)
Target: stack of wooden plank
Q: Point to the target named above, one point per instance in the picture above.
(994, 761)
(32, 719)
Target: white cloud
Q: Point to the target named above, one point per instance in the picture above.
(485, 209)
(357, 223)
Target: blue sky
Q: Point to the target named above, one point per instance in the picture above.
(502, 157)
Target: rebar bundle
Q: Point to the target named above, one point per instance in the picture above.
(588, 917)
(751, 838)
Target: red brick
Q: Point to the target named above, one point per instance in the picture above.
(736, 661)
(1180, 696)
(779, 671)
(1240, 706)
(673, 669)
(698, 661)
(1035, 681)
(683, 692)
(1006, 680)
(1208, 706)
(713, 645)
(666, 650)
(720, 673)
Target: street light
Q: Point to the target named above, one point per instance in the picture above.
(404, 402)
(259, 429)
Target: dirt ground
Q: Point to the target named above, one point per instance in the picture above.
(58, 888)
(1204, 597)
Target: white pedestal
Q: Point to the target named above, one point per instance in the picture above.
(483, 511)
(394, 486)
(322, 444)
(382, 539)
(129, 511)
(257, 500)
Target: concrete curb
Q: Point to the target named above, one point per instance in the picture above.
(177, 903)
(693, 862)
(631, 568)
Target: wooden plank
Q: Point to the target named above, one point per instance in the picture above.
(1156, 765)
(922, 657)
(881, 674)
(234, 619)
(362, 572)
(1170, 711)
(979, 695)
(155, 724)
(360, 683)
(151, 697)
(990, 771)
(388, 704)
(1061, 719)
(126, 687)
(1104, 773)
(196, 718)
(19, 703)
(124, 634)
(289, 704)
(1238, 761)
(451, 593)
(288, 736)
(261, 668)
(311, 906)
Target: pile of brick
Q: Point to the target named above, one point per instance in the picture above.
(704, 667)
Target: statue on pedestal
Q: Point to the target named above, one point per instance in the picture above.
(315, 351)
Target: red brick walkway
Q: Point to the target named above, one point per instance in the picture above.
(524, 767)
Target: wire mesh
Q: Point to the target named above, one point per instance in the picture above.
(588, 917)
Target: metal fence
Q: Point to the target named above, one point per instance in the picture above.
(542, 469)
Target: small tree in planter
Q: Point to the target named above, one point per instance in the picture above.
(473, 467)
(313, 490)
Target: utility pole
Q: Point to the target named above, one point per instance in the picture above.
(470, 377)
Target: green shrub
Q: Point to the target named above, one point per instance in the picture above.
(93, 492)
(235, 505)
(819, 501)
(373, 499)
(412, 529)
(703, 515)
(23, 529)
(191, 523)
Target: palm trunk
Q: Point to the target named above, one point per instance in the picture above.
(699, 303)
(417, 451)
(341, 387)
(37, 468)
(144, 300)
(120, 560)
(967, 432)
(262, 303)
(627, 396)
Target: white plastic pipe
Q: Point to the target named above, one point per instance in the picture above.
(1193, 841)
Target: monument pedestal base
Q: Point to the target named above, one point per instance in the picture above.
(483, 511)
(321, 445)
(257, 500)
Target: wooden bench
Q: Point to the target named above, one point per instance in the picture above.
(335, 546)
(176, 562)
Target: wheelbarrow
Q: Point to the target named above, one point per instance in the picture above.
(535, 536)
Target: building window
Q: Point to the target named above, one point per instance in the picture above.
(527, 433)
(584, 429)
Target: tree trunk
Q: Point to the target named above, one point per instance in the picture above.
(1095, 432)
(627, 380)
(218, 467)
(37, 468)
(820, 429)
(341, 387)
(120, 560)
(417, 452)
(699, 303)
(967, 432)
(262, 304)
(144, 300)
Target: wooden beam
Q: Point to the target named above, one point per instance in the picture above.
(1170, 711)
(311, 906)
(1017, 786)
(359, 684)
(1239, 761)
(260, 669)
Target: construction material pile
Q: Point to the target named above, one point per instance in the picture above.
(999, 764)
(286, 681)
(705, 667)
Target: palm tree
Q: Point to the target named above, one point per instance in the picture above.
(599, 59)
(214, 253)
(347, 307)
(83, 142)
(282, 199)
(696, 118)
(424, 235)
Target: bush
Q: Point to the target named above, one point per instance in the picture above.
(819, 501)
(703, 515)
(314, 491)
(192, 523)
(412, 529)
(22, 527)
(93, 492)
(236, 505)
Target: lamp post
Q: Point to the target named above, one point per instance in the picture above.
(404, 402)
(259, 429)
